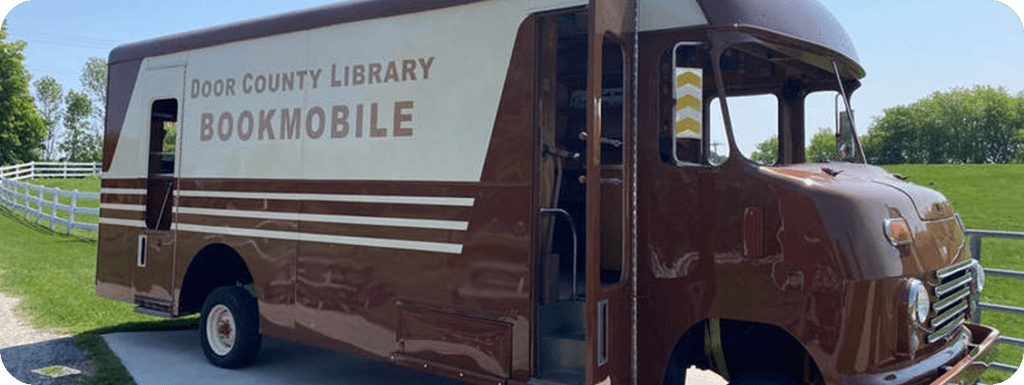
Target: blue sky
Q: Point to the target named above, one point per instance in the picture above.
(909, 48)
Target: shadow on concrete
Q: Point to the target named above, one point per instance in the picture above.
(21, 360)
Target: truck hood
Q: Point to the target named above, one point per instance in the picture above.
(929, 204)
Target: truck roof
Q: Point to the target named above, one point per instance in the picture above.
(322, 16)
(805, 21)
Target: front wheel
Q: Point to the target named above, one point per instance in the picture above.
(229, 327)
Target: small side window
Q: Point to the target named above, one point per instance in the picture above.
(163, 134)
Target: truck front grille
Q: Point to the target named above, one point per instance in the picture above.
(953, 295)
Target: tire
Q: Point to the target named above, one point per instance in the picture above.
(229, 327)
(765, 378)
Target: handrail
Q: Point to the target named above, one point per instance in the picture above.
(575, 242)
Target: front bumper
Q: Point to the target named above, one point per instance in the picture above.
(942, 367)
(982, 352)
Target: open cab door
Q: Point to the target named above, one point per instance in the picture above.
(610, 158)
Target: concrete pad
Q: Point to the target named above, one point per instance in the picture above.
(174, 357)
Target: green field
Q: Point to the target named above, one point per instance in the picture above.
(32, 259)
(988, 197)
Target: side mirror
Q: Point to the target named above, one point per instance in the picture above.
(844, 136)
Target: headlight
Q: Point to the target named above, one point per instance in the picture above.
(918, 301)
(979, 276)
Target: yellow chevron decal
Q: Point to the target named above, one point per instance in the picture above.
(688, 101)
(688, 77)
(688, 128)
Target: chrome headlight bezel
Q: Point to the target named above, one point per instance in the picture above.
(918, 301)
(979, 276)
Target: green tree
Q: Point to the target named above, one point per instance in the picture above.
(767, 152)
(977, 125)
(50, 98)
(822, 148)
(94, 83)
(22, 131)
(171, 138)
(80, 143)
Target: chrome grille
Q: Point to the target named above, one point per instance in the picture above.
(952, 299)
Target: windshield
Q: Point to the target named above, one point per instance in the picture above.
(784, 106)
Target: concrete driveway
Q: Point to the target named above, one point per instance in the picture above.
(174, 357)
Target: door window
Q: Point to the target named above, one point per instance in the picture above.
(162, 143)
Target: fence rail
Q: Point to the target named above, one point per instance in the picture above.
(49, 170)
(44, 203)
(976, 237)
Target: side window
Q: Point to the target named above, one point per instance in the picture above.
(755, 122)
(163, 133)
(684, 91)
(160, 181)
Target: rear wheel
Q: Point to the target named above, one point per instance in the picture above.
(229, 327)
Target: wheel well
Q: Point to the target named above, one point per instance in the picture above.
(214, 266)
(748, 347)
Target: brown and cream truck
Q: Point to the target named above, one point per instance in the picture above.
(526, 192)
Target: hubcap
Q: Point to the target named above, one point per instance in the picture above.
(220, 330)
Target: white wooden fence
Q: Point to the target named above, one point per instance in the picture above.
(44, 203)
(49, 170)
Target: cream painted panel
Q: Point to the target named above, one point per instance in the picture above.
(131, 156)
(449, 110)
(665, 14)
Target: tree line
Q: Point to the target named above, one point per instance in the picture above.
(982, 124)
(50, 124)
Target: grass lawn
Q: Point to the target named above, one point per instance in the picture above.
(988, 197)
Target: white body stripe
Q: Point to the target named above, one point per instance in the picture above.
(449, 248)
(345, 219)
(410, 200)
(115, 206)
(123, 222)
(123, 191)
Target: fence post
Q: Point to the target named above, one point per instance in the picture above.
(39, 206)
(32, 170)
(65, 176)
(28, 194)
(53, 213)
(976, 247)
(71, 212)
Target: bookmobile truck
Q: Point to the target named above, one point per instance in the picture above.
(525, 192)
